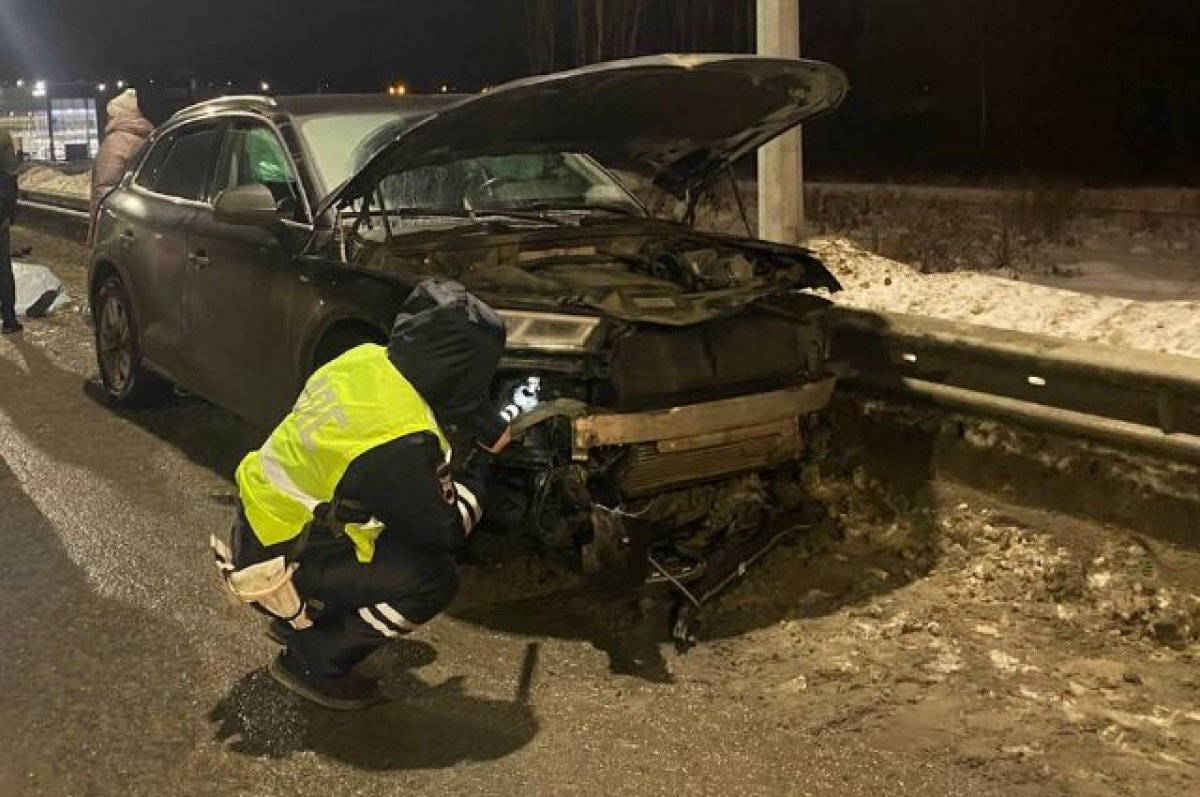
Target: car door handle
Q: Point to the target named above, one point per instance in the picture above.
(199, 258)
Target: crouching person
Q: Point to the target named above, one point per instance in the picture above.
(350, 514)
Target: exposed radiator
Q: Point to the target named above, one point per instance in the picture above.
(646, 469)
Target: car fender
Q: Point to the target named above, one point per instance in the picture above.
(348, 298)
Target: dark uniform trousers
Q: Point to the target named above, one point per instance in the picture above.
(357, 608)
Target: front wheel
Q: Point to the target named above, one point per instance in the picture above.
(119, 351)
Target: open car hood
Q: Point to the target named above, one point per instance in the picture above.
(680, 118)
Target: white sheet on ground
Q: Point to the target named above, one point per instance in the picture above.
(33, 282)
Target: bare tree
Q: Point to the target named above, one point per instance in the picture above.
(601, 22)
(541, 35)
(598, 30)
(581, 31)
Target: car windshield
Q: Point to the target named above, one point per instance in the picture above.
(506, 183)
(336, 140)
(538, 183)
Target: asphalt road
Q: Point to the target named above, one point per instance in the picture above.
(978, 654)
(125, 671)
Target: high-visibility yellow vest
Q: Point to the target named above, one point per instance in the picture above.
(348, 407)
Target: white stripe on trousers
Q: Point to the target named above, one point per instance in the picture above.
(467, 521)
(465, 495)
(394, 617)
(370, 619)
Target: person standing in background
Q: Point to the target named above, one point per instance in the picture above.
(127, 130)
(8, 213)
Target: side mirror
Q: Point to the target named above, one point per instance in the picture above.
(251, 205)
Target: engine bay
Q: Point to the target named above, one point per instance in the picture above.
(665, 275)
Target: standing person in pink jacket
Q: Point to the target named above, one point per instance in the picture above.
(126, 132)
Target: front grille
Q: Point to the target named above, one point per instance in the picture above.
(646, 470)
(655, 366)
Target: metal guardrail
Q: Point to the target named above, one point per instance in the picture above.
(55, 209)
(64, 216)
(1132, 400)
(1135, 400)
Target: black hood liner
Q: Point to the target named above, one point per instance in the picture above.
(680, 119)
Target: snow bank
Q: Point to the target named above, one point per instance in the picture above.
(52, 181)
(872, 282)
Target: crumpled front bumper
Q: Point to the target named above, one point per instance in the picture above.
(698, 442)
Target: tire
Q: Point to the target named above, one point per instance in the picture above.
(338, 341)
(126, 381)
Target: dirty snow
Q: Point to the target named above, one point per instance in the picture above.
(872, 282)
(52, 181)
(1051, 656)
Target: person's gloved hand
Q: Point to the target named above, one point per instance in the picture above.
(500, 444)
(557, 408)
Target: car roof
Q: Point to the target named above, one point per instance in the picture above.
(320, 104)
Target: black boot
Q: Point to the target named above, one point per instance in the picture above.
(280, 632)
(10, 327)
(345, 693)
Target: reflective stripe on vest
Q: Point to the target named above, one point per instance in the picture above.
(350, 406)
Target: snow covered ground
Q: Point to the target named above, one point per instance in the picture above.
(872, 282)
(52, 181)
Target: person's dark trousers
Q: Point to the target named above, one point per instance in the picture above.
(358, 607)
(8, 287)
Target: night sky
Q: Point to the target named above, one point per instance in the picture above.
(1086, 90)
(354, 44)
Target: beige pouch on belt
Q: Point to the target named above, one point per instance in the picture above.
(267, 584)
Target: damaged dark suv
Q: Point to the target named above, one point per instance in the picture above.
(257, 238)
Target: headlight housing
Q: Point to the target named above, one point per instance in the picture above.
(550, 332)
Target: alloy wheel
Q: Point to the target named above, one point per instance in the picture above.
(116, 344)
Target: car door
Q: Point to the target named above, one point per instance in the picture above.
(154, 220)
(242, 278)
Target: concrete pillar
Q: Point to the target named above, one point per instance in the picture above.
(780, 163)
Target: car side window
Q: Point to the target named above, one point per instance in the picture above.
(179, 165)
(151, 165)
(253, 155)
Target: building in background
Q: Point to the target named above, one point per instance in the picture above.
(51, 122)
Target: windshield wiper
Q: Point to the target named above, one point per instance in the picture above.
(521, 215)
(608, 207)
(473, 215)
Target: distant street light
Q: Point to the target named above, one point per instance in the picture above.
(101, 87)
(264, 86)
(39, 88)
(445, 88)
(120, 84)
(21, 84)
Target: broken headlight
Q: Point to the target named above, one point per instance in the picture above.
(555, 332)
